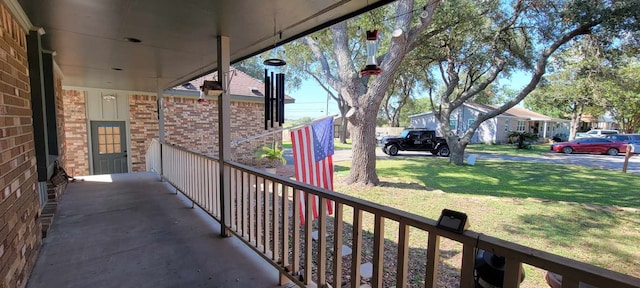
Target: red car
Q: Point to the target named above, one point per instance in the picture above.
(590, 145)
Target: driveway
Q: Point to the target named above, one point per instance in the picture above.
(613, 163)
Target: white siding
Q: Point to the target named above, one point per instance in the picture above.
(504, 127)
(486, 133)
(427, 121)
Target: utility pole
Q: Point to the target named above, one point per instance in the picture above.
(327, 110)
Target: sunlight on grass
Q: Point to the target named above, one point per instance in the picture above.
(473, 178)
(518, 179)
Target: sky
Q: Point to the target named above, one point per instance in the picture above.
(311, 99)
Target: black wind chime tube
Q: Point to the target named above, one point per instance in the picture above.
(280, 81)
(267, 99)
(274, 99)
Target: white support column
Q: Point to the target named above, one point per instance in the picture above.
(161, 128)
(161, 114)
(544, 133)
(224, 132)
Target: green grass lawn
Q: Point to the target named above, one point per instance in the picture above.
(535, 150)
(568, 210)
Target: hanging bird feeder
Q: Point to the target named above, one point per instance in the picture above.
(201, 98)
(372, 67)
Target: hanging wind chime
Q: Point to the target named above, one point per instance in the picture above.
(273, 93)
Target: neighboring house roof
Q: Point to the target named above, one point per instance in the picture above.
(514, 112)
(525, 113)
(603, 118)
(242, 86)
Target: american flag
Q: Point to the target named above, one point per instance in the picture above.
(312, 157)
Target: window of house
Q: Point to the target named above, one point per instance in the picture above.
(470, 122)
(506, 126)
(453, 124)
(521, 126)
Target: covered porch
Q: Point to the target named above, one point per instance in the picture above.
(131, 230)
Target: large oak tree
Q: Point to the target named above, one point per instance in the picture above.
(471, 44)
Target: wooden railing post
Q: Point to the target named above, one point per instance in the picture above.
(433, 260)
(378, 252)
(338, 225)
(322, 245)
(512, 273)
(295, 260)
(468, 262)
(308, 237)
(403, 255)
(356, 256)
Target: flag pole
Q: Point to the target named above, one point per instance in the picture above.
(239, 141)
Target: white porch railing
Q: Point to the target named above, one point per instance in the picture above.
(264, 216)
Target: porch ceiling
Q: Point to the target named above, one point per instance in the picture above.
(178, 37)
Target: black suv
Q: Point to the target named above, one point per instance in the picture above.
(415, 139)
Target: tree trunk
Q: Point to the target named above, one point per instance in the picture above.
(344, 108)
(575, 121)
(396, 119)
(343, 129)
(457, 152)
(363, 160)
(456, 144)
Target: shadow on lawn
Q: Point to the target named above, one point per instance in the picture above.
(581, 228)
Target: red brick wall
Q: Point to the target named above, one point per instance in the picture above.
(194, 126)
(19, 201)
(188, 123)
(75, 127)
(60, 121)
(191, 124)
(143, 123)
(247, 120)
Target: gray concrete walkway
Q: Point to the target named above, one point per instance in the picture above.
(134, 232)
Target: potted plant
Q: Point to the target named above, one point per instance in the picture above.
(273, 156)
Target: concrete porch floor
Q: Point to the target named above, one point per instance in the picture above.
(134, 232)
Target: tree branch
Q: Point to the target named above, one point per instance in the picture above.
(500, 62)
(415, 32)
(324, 64)
(540, 68)
(322, 85)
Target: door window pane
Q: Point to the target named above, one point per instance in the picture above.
(109, 140)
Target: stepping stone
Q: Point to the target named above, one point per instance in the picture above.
(346, 250)
(366, 270)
